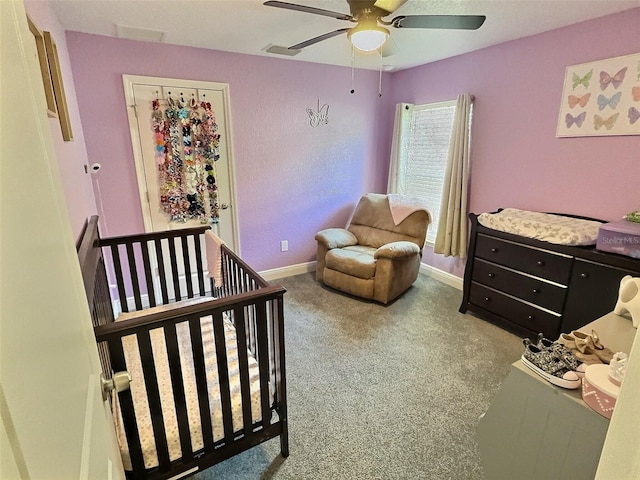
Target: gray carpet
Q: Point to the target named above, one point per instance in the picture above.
(379, 392)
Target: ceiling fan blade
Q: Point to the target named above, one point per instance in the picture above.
(311, 41)
(304, 8)
(458, 22)
(389, 5)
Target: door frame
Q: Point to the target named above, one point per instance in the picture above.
(128, 82)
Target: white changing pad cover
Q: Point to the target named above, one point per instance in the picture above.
(139, 394)
(547, 227)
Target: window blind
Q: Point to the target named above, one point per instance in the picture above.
(427, 149)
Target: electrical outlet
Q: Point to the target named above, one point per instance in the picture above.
(284, 246)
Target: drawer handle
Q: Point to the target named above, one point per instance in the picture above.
(487, 299)
(536, 290)
(494, 250)
(491, 274)
(540, 263)
(531, 317)
(584, 275)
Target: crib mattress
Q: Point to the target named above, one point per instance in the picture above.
(139, 394)
(547, 227)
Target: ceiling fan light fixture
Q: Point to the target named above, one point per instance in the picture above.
(368, 36)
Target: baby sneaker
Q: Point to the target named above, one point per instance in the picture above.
(593, 341)
(566, 354)
(582, 349)
(549, 366)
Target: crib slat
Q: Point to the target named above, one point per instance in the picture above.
(133, 271)
(198, 247)
(117, 265)
(153, 397)
(126, 407)
(226, 274)
(280, 393)
(179, 399)
(223, 376)
(174, 269)
(243, 363)
(148, 274)
(161, 271)
(263, 362)
(187, 266)
(250, 321)
(195, 324)
(233, 274)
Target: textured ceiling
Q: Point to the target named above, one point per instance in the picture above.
(247, 26)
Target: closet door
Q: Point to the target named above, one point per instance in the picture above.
(140, 92)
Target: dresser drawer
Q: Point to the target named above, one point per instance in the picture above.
(534, 261)
(525, 287)
(515, 311)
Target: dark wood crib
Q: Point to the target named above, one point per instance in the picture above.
(218, 348)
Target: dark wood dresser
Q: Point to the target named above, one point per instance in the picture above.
(529, 286)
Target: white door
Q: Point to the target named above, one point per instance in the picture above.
(54, 422)
(140, 92)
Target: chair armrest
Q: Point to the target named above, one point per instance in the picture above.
(397, 250)
(336, 238)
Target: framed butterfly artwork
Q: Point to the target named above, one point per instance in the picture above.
(601, 98)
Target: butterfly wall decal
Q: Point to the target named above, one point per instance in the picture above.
(570, 120)
(582, 80)
(599, 122)
(575, 100)
(601, 98)
(616, 80)
(320, 117)
(604, 102)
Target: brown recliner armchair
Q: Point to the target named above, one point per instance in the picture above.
(374, 258)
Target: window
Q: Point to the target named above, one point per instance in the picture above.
(425, 135)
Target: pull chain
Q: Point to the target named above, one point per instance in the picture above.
(353, 60)
(380, 72)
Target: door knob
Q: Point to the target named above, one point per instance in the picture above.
(119, 382)
(224, 206)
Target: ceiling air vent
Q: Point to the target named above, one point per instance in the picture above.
(142, 34)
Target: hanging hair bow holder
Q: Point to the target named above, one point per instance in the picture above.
(187, 146)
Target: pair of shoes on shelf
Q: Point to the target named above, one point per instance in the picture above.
(587, 348)
(568, 357)
(553, 363)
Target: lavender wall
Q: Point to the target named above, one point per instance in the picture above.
(292, 179)
(516, 159)
(71, 156)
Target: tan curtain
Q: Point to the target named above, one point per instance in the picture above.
(452, 226)
(398, 145)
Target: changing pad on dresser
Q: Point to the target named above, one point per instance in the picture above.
(548, 227)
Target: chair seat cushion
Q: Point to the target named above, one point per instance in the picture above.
(357, 261)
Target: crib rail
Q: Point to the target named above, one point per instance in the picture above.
(267, 322)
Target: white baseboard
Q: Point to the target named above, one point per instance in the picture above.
(290, 271)
(442, 276)
(300, 268)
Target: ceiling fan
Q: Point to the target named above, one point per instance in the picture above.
(368, 34)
